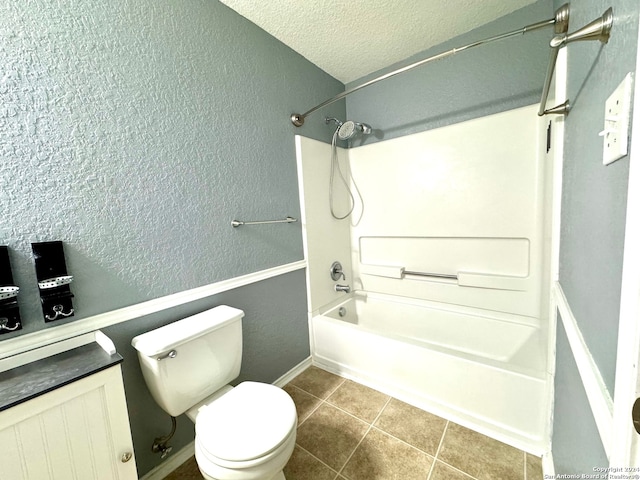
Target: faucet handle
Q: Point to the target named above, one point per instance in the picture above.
(336, 271)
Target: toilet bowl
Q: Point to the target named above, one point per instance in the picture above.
(248, 433)
(242, 433)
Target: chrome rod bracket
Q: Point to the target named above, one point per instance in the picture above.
(297, 119)
(563, 109)
(599, 29)
(562, 19)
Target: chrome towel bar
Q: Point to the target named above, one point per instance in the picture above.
(237, 223)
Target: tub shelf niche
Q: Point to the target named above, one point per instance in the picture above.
(463, 279)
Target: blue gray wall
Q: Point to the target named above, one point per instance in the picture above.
(488, 79)
(576, 448)
(593, 218)
(135, 132)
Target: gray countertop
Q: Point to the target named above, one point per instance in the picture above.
(37, 378)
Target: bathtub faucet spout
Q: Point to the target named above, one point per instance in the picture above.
(342, 288)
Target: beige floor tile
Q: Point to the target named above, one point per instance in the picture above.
(534, 467)
(317, 382)
(445, 472)
(363, 402)
(305, 403)
(331, 435)
(480, 456)
(303, 466)
(416, 427)
(382, 457)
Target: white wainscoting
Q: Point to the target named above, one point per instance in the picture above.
(597, 393)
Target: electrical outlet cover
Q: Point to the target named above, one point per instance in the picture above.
(616, 122)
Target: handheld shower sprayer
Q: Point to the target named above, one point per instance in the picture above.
(349, 129)
(345, 131)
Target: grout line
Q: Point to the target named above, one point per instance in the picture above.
(311, 412)
(435, 458)
(337, 387)
(401, 441)
(458, 470)
(308, 452)
(371, 426)
(365, 434)
(338, 408)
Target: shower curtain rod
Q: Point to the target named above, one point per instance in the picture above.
(560, 21)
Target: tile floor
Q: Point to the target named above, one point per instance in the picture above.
(347, 431)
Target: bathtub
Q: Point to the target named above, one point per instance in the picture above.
(482, 369)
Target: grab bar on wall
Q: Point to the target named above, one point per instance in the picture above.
(237, 223)
(599, 29)
(434, 275)
(560, 21)
(399, 272)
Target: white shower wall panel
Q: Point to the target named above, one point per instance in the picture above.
(465, 200)
(325, 239)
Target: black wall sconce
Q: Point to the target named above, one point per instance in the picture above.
(9, 312)
(53, 280)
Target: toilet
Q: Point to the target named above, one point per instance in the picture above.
(242, 433)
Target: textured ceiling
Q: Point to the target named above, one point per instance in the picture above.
(350, 39)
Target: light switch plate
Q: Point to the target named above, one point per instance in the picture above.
(616, 122)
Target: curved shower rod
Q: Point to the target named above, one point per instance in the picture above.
(560, 21)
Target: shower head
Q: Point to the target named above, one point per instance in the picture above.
(349, 129)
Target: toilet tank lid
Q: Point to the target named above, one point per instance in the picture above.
(164, 339)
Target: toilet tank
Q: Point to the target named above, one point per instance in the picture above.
(208, 354)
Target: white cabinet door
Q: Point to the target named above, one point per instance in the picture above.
(79, 431)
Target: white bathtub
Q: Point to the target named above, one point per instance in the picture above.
(482, 369)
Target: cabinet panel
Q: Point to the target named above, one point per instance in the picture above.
(79, 431)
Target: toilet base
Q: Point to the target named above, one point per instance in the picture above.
(277, 476)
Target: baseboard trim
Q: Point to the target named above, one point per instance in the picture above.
(548, 467)
(171, 464)
(294, 372)
(594, 386)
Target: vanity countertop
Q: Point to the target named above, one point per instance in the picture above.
(31, 380)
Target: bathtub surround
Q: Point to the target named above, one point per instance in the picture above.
(449, 266)
(121, 137)
(594, 199)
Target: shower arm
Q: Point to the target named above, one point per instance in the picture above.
(560, 21)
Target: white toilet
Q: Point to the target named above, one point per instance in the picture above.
(242, 433)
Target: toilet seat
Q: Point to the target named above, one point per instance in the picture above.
(246, 426)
